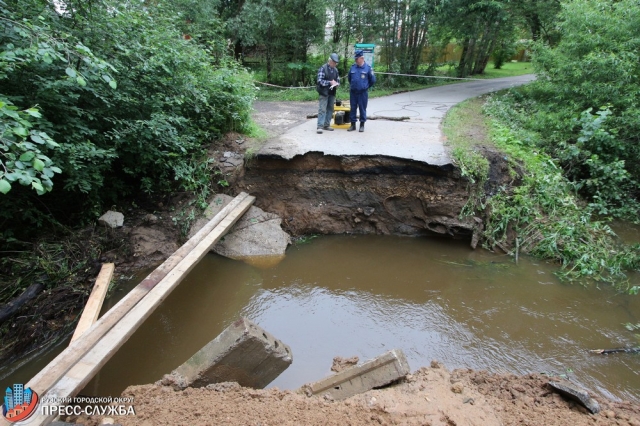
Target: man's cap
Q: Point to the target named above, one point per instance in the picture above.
(334, 57)
(358, 54)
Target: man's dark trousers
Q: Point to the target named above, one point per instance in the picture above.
(358, 100)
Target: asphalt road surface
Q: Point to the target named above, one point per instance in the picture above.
(418, 138)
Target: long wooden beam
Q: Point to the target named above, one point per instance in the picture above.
(92, 309)
(83, 371)
(48, 376)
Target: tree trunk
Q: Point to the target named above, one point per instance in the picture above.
(237, 51)
(466, 60)
(269, 64)
(485, 50)
(535, 25)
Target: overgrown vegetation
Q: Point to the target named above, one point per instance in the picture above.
(542, 215)
(102, 103)
(581, 117)
(92, 114)
(572, 138)
(548, 218)
(65, 265)
(583, 110)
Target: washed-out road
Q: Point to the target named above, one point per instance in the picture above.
(419, 138)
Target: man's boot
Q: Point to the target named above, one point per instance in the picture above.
(319, 130)
(352, 128)
(328, 128)
(361, 126)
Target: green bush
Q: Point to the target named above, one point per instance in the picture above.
(546, 217)
(94, 130)
(584, 104)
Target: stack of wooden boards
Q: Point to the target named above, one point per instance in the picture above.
(70, 371)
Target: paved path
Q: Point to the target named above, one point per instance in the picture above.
(419, 138)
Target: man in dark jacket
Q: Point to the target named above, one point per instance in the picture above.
(361, 77)
(327, 85)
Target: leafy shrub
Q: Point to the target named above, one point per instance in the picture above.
(584, 104)
(29, 49)
(68, 126)
(548, 219)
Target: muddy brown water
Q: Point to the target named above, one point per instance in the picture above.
(364, 295)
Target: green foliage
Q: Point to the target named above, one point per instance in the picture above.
(584, 105)
(472, 164)
(504, 50)
(475, 167)
(22, 148)
(540, 213)
(587, 146)
(25, 146)
(546, 215)
(282, 31)
(64, 119)
(596, 61)
(539, 17)
(478, 26)
(304, 239)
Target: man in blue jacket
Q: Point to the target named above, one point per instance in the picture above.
(361, 77)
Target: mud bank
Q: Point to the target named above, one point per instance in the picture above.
(430, 396)
(323, 194)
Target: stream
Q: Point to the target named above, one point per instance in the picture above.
(436, 299)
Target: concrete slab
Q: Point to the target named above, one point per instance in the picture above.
(242, 353)
(419, 138)
(377, 372)
(576, 393)
(257, 235)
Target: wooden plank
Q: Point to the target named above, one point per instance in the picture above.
(96, 298)
(49, 375)
(83, 371)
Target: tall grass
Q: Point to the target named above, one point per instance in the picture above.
(542, 216)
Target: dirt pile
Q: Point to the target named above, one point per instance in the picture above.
(430, 396)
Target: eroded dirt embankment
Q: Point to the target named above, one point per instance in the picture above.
(318, 194)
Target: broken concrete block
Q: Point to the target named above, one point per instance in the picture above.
(242, 353)
(112, 219)
(571, 391)
(256, 235)
(374, 373)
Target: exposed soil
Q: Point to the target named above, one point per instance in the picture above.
(322, 194)
(318, 194)
(430, 396)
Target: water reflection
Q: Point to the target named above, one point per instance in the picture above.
(434, 299)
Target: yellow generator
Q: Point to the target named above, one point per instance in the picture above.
(341, 116)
